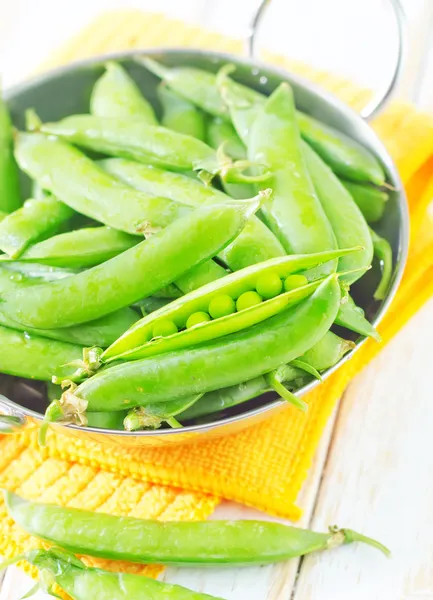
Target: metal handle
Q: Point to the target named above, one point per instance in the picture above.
(380, 99)
(11, 420)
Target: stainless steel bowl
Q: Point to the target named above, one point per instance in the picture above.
(67, 90)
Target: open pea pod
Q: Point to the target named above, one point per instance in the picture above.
(209, 330)
(138, 340)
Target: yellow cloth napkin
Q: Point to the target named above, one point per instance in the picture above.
(265, 465)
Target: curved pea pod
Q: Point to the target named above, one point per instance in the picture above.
(352, 317)
(80, 248)
(327, 352)
(180, 115)
(234, 285)
(15, 271)
(101, 332)
(36, 219)
(34, 357)
(371, 200)
(116, 94)
(135, 273)
(196, 85)
(81, 184)
(10, 194)
(81, 583)
(200, 275)
(347, 158)
(149, 144)
(255, 243)
(183, 543)
(294, 212)
(383, 252)
(220, 363)
(350, 227)
(214, 329)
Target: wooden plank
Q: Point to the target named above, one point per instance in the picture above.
(378, 479)
(273, 582)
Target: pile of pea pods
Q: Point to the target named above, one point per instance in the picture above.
(176, 262)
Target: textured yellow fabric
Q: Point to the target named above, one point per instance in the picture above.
(265, 465)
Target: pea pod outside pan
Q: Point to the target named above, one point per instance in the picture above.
(233, 285)
(235, 543)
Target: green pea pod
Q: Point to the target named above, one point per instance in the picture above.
(217, 328)
(10, 195)
(36, 219)
(383, 252)
(371, 200)
(352, 317)
(150, 304)
(327, 352)
(255, 244)
(135, 273)
(159, 146)
(80, 248)
(294, 212)
(34, 357)
(220, 363)
(222, 97)
(180, 115)
(221, 132)
(182, 543)
(116, 94)
(233, 285)
(81, 184)
(17, 270)
(153, 415)
(347, 158)
(81, 583)
(346, 219)
(101, 332)
(196, 85)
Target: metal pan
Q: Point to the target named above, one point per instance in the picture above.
(67, 90)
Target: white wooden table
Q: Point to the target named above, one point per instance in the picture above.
(374, 469)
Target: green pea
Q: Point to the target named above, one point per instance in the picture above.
(197, 318)
(269, 285)
(248, 299)
(294, 281)
(164, 328)
(221, 306)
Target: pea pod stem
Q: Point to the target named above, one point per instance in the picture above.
(182, 543)
(278, 387)
(135, 273)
